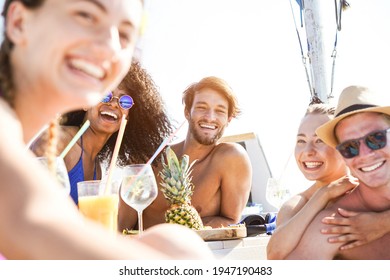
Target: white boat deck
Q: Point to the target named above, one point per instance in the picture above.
(249, 248)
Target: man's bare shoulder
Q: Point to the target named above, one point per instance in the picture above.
(232, 151)
(232, 159)
(350, 200)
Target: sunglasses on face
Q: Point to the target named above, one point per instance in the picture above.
(125, 101)
(374, 140)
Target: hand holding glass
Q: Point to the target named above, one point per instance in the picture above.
(139, 188)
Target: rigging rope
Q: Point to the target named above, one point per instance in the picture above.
(343, 4)
(339, 7)
(300, 45)
(334, 54)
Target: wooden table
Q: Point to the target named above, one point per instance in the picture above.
(248, 248)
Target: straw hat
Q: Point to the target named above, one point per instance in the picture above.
(352, 100)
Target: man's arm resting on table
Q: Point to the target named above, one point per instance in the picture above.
(236, 184)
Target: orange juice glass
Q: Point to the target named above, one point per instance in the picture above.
(96, 204)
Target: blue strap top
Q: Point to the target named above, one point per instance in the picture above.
(76, 174)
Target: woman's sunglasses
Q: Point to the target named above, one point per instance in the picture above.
(374, 140)
(125, 101)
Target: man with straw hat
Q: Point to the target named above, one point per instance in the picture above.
(359, 132)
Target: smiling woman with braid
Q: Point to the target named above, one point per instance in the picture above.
(56, 56)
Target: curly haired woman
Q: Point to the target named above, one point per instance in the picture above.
(136, 97)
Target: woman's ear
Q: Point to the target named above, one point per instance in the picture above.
(15, 20)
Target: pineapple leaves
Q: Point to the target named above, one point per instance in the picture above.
(176, 182)
(177, 187)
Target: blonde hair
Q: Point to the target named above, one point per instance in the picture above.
(51, 151)
(321, 109)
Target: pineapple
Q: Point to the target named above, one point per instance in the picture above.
(177, 188)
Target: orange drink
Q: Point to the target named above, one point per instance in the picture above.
(97, 205)
(103, 209)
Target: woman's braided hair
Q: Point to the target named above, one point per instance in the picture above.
(6, 78)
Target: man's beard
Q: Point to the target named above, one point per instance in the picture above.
(203, 140)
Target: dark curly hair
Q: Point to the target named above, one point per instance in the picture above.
(148, 123)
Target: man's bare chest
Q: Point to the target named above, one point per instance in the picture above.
(376, 250)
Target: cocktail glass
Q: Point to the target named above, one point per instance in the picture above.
(139, 188)
(276, 192)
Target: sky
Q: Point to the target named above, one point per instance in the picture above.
(253, 45)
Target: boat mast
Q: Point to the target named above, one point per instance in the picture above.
(316, 50)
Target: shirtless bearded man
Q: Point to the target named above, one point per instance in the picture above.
(222, 174)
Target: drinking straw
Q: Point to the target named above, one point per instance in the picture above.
(115, 153)
(164, 143)
(75, 138)
(159, 149)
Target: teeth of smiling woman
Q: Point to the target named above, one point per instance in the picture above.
(312, 164)
(209, 126)
(110, 114)
(88, 68)
(372, 167)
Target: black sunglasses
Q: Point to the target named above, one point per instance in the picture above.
(125, 101)
(374, 140)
